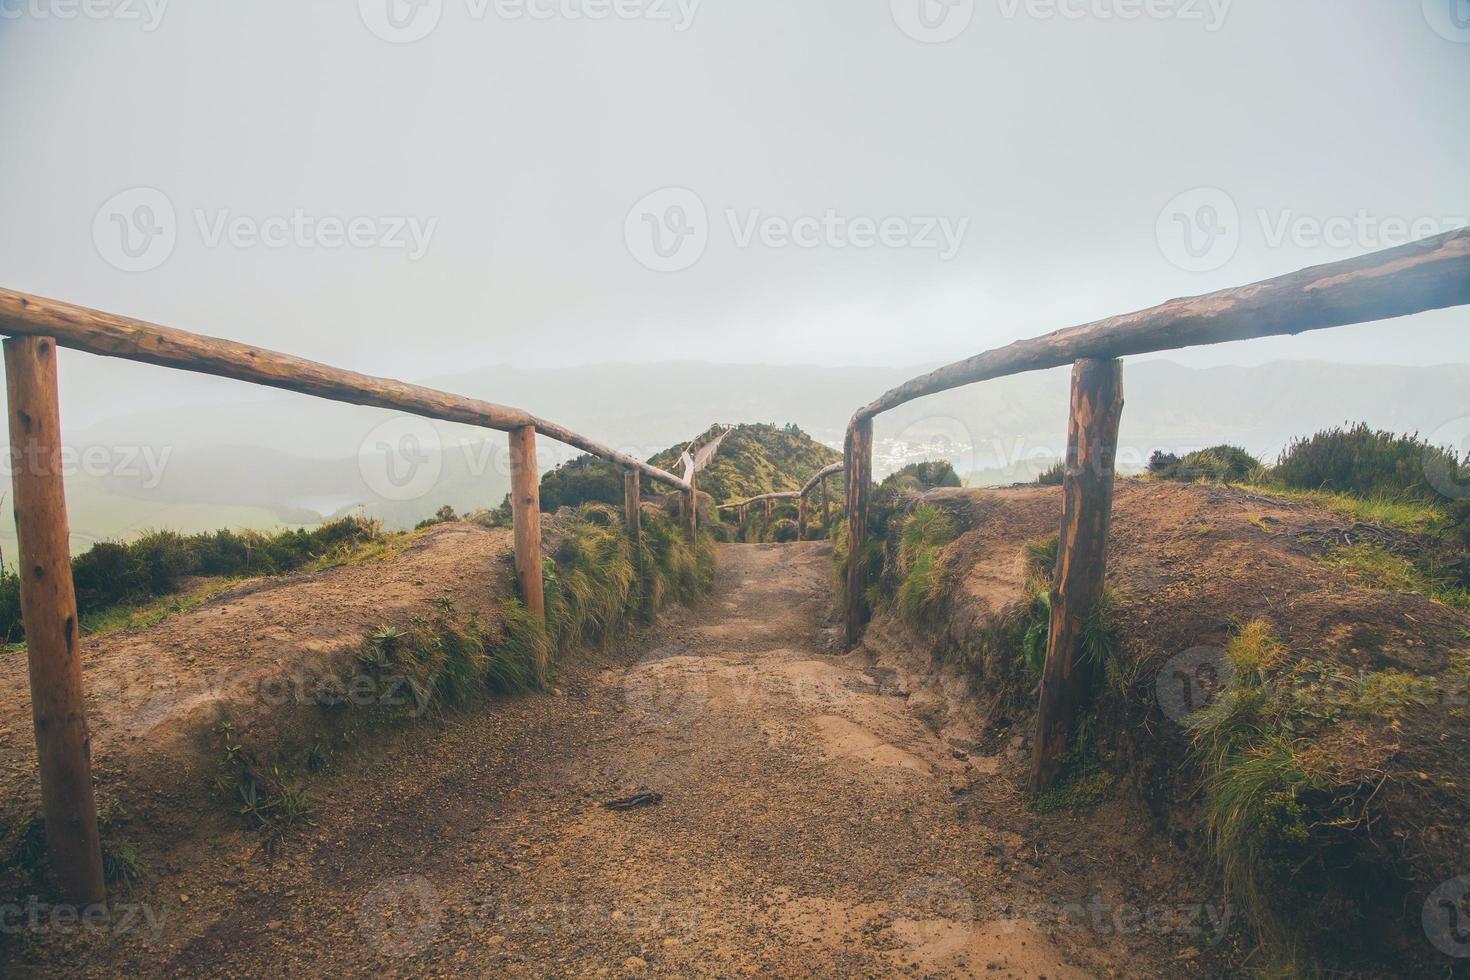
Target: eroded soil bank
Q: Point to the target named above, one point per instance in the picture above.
(813, 820)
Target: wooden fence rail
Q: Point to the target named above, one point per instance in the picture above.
(1430, 274)
(35, 327)
(818, 478)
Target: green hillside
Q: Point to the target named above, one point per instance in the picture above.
(755, 459)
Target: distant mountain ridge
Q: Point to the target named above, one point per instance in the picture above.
(296, 458)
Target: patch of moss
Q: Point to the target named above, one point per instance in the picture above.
(1083, 783)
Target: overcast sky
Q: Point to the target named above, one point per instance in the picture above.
(423, 187)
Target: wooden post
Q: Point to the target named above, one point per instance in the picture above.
(1077, 587)
(691, 511)
(632, 508)
(49, 612)
(859, 471)
(801, 518)
(826, 511)
(525, 509)
(768, 510)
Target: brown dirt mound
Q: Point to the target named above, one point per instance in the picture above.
(811, 824)
(250, 654)
(1189, 565)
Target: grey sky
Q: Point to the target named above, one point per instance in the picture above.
(521, 144)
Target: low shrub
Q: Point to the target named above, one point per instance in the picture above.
(1369, 463)
(1217, 464)
(1053, 475)
(114, 573)
(584, 480)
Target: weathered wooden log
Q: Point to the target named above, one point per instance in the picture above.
(768, 509)
(821, 475)
(691, 510)
(859, 459)
(525, 509)
(49, 612)
(1077, 585)
(115, 336)
(826, 508)
(801, 519)
(1426, 275)
(633, 509)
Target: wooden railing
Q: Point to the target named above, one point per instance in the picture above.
(35, 327)
(1431, 274)
(1426, 275)
(818, 479)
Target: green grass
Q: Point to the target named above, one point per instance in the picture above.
(1041, 563)
(1217, 464)
(380, 546)
(1041, 560)
(1406, 515)
(1372, 567)
(126, 617)
(1038, 632)
(1282, 822)
(1082, 784)
(121, 866)
(590, 585)
(925, 533)
(23, 862)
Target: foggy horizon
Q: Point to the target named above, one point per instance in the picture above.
(1059, 158)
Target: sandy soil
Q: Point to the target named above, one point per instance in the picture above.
(812, 822)
(251, 653)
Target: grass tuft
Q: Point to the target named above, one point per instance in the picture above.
(925, 533)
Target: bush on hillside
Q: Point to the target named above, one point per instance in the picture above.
(755, 459)
(1368, 463)
(584, 480)
(114, 572)
(1217, 464)
(925, 476)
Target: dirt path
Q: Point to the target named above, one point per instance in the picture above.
(810, 825)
